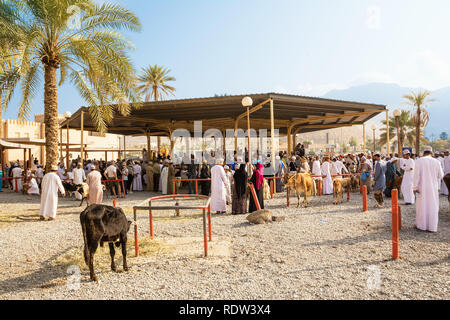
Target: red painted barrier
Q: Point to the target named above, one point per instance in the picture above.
(123, 186)
(364, 192)
(395, 220)
(173, 196)
(205, 239)
(114, 203)
(196, 183)
(150, 218)
(287, 198)
(209, 223)
(255, 198)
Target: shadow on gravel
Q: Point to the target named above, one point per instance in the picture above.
(405, 235)
(47, 276)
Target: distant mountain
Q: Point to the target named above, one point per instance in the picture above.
(391, 95)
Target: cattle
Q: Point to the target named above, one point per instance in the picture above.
(82, 189)
(339, 184)
(301, 183)
(101, 223)
(354, 183)
(69, 187)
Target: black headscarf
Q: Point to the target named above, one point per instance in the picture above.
(240, 181)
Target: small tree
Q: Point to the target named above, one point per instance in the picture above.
(443, 136)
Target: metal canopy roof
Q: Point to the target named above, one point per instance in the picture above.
(300, 113)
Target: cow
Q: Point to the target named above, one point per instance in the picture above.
(339, 184)
(301, 183)
(354, 183)
(82, 189)
(101, 223)
(447, 183)
(69, 187)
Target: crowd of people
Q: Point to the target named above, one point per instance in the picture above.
(228, 183)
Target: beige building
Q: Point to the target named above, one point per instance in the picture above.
(33, 133)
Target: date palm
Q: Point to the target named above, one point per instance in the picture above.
(406, 129)
(154, 83)
(91, 53)
(8, 59)
(419, 100)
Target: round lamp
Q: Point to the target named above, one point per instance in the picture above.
(397, 113)
(373, 127)
(67, 114)
(247, 102)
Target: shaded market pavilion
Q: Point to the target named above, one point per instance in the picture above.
(290, 114)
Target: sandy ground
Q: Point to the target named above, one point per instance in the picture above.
(324, 251)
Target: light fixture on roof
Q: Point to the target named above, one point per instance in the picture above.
(247, 102)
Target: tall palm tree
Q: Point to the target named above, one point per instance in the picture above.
(420, 100)
(9, 76)
(92, 54)
(406, 129)
(154, 83)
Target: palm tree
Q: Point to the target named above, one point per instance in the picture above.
(406, 129)
(420, 100)
(92, 55)
(153, 83)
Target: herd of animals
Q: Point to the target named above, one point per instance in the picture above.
(102, 223)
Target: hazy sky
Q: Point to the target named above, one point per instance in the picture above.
(303, 47)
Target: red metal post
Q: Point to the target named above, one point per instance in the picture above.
(150, 217)
(209, 223)
(205, 238)
(364, 192)
(395, 220)
(196, 187)
(287, 198)
(255, 198)
(114, 203)
(271, 188)
(17, 185)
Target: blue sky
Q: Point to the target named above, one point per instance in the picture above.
(303, 47)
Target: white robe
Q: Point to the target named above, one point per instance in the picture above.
(333, 168)
(407, 165)
(427, 178)
(78, 176)
(49, 199)
(219, 186)
(17, 173)
(328, 181)
(137, 181)
(34, 188)
(340, 167)
(164, 175)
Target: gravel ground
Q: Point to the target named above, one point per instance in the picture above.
(324, 251)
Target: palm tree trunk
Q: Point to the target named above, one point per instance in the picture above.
(51, 117)
(418, 130)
